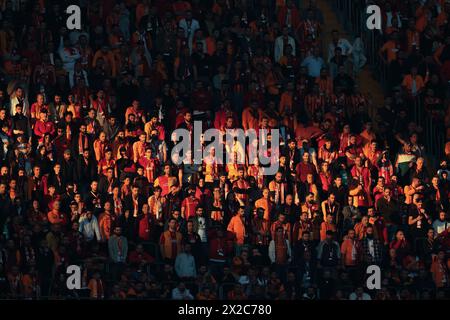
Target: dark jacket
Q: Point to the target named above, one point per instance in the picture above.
(389, 210)
(86, 172)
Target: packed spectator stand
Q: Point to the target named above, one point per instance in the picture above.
(87, 176)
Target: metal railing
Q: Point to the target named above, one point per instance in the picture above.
(352, 15)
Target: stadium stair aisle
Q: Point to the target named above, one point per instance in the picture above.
(366, 81)
(368, 85)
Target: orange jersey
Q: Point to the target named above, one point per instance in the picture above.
(391, 49)
(237, 226)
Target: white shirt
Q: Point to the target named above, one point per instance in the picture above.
(202, 229)
(185, 265)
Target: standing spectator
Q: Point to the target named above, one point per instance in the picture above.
(328, 252)
(118, 250)
(89, 227)
(372, 248)
(237, 226)
(280, 252)
(185, 264)
(170, 242)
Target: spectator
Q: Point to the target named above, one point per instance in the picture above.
(280, 251)
(89, 146)
(185, 264)
(89, 227)
(118, 246)
(359, 294)
(181, 293)
(237, 226)
(170, 242)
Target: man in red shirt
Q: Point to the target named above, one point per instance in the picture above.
(165, 181)
(304, 168)
(362, 174)
(43, 126)
(189, 204)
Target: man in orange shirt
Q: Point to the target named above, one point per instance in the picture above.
(139, 147)
(413, 37)
(265, 203)
(237, 226)
(390, 49)
(367, 135)
(170, 242)
(413, 83)
(106, 221)
(326, 226)
(100, 145)
(412, 189)
(349, 250)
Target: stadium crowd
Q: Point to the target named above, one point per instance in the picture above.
(86, 175)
